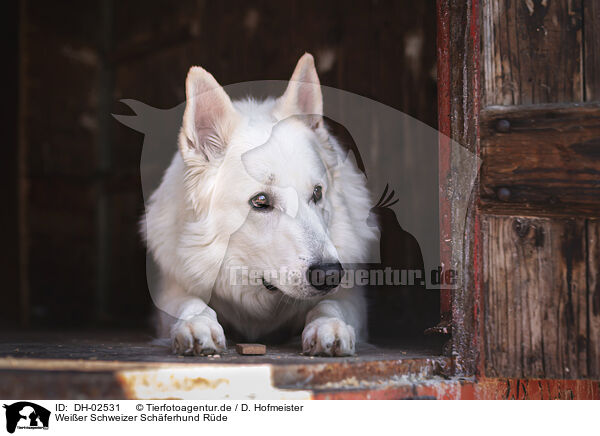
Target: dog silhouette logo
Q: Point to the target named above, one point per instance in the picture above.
(398, 248)
(26, 415)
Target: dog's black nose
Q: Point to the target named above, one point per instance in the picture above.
(325, 276)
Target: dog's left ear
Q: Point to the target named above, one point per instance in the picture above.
(303, 94)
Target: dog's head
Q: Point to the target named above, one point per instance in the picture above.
(261, 179)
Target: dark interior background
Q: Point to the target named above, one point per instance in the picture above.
(70, 172)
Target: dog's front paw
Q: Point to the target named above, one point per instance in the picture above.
(199, 336)
(328, 337)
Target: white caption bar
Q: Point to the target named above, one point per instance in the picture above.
(295, 417)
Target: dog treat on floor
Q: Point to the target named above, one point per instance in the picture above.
(251, 349)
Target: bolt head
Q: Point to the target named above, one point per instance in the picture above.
(503, 194)
(503, 126)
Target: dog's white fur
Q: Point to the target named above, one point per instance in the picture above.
(199, 223)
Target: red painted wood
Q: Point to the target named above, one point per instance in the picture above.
(475, 34)
(537, 389)
(444, 157)
(468, 315)
(484, 389)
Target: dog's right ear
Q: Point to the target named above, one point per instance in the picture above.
(209, 117)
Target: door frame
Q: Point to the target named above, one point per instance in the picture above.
(458, 72)
(459, 105)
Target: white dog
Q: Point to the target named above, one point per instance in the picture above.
(259, 187)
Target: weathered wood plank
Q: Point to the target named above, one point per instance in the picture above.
(593, 303)
(537, 306)
(532, 51)
(463, 90)
(144, 27)
(59, 99)
(10, 224)
(60, 92)
(545, 157)
(62, 250)
(591, 42)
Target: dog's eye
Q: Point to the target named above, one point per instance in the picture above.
(260, 201)
(317, 193)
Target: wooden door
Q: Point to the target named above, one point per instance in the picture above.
(540, 188)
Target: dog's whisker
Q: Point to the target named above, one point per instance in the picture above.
(279, 303)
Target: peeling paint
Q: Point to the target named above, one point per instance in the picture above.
(205, 382)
